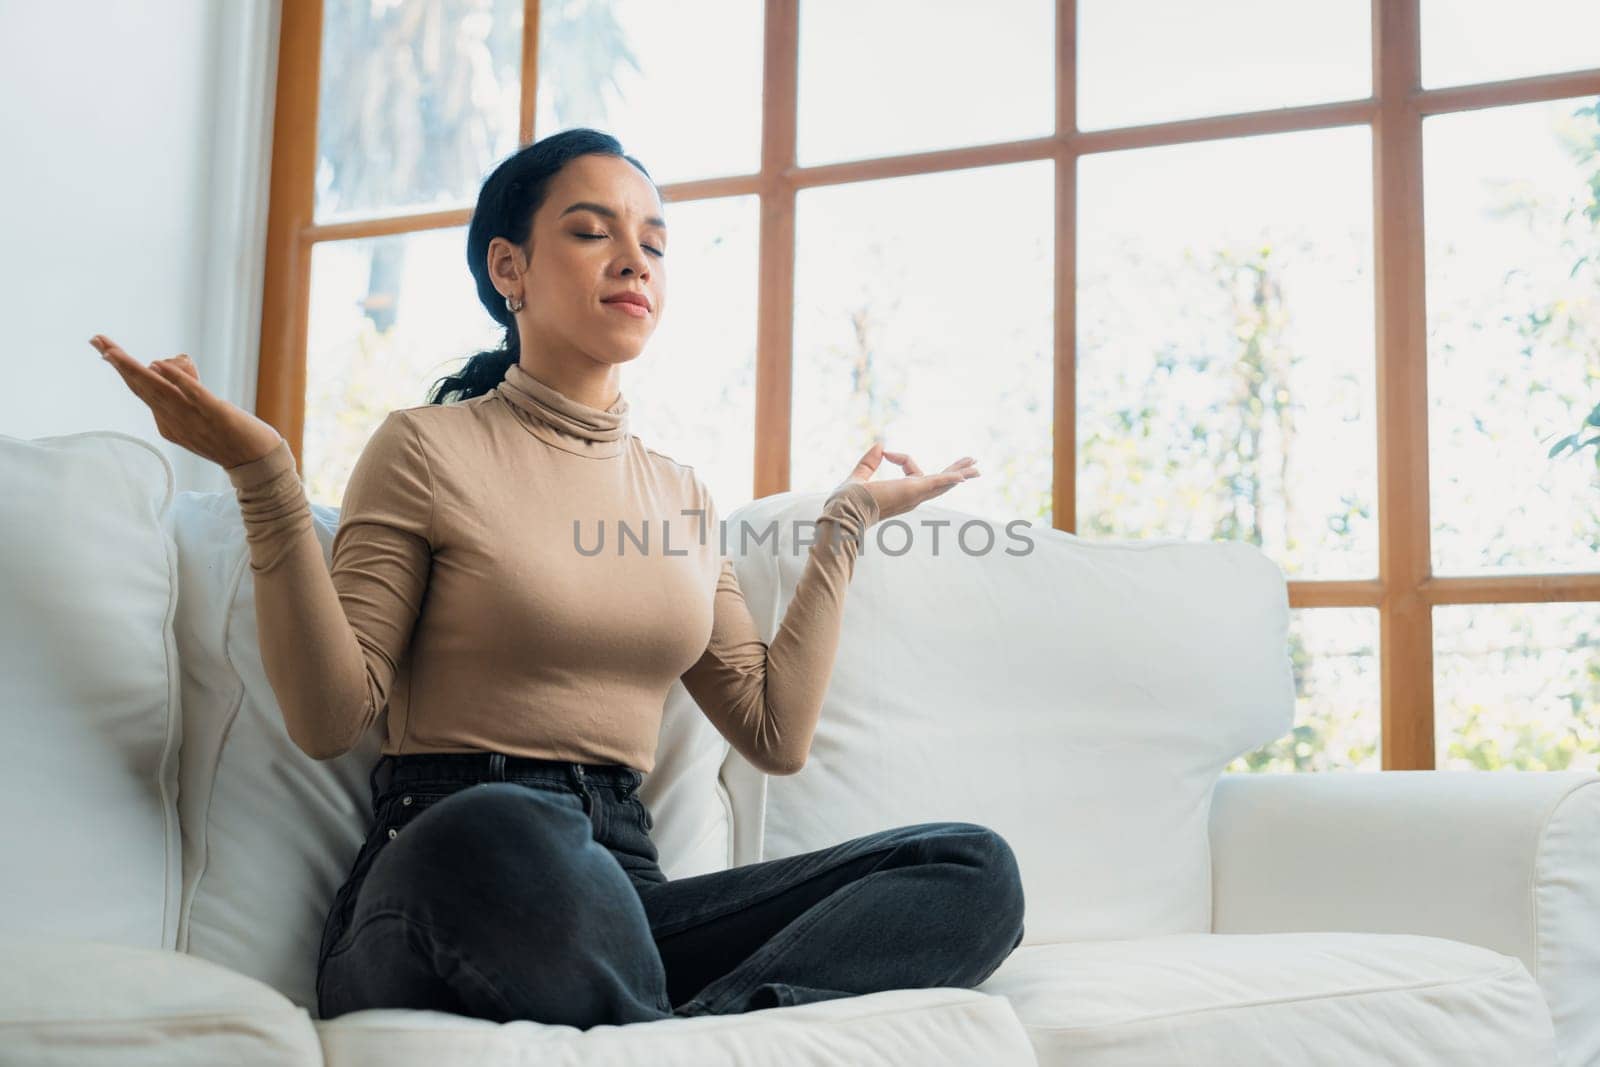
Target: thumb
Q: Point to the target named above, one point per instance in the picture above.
(870, 459)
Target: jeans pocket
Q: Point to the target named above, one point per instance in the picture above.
(395, 812)
(405, 806)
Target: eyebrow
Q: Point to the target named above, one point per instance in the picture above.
(601, 209)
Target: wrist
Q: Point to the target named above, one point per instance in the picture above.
(264, 468)
(855, 502)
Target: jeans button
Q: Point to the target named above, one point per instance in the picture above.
(406, 800)
(393, 833)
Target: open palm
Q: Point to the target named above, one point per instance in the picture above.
(895, 496)
(186, 412)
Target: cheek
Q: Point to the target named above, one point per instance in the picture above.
(567, 268)
(567, 290)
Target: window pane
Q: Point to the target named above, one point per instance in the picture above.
(389, 316)
(879, 78)
(1467, 41)
(692, 392)
(1337, 723)
(678, 84)
(1225, 347)
(1157, 60)
(1517, 686)
(923, 311)
(418, 99)
(1513, 265)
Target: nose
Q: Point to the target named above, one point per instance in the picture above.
(635, 264)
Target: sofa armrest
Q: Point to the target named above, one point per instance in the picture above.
(1507, 860)
(100, 1004)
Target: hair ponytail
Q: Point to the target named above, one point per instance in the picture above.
(482, 373)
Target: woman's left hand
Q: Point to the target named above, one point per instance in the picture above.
(899, 495)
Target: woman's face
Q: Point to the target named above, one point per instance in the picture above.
(599, 233)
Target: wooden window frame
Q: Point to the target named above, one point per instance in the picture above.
(1405, 591)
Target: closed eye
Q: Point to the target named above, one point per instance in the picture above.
(599, 236)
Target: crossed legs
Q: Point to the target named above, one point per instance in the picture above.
(498, 903)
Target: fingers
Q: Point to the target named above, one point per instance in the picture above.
(868, 463)
(182, 362)
(179, 375)
(944, 481)
(147, 384)
(912, 468)
(905, 462)
(928, 486)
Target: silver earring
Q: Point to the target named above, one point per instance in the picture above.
(514, 308)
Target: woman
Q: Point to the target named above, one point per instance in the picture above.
(509, 871)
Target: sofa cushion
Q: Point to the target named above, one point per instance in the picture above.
(270, 833)
(1079, 697)
(1295, 999)
(1507, 861)
(70, 1002)
(91, 726)
(927, 1027)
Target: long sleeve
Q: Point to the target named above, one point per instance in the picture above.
(332, 637)
(766, 699)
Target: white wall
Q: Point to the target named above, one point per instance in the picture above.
(133, 201)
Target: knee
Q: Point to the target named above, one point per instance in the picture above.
(988, 852)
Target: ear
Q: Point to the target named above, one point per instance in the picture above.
(508, 263)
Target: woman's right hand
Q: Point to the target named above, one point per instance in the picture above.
(189, 414)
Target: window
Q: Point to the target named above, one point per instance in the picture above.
(1325, 278)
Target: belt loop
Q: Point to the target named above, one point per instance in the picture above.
(372, 781)
(497, 766)
(576, 770)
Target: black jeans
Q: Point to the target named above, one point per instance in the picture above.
(504, 888)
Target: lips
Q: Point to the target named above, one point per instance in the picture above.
(638, 300)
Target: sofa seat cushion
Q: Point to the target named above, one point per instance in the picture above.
(81, 1003)
(1288, 998)
(927, 1027)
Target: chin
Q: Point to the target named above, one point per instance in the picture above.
(631, 341)
(615, 353)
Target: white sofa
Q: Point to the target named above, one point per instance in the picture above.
(170, 855)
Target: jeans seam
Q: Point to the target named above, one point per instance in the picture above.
(353, 880)
(673, 929)
(778, 944)
(439, 945)
(641, 814)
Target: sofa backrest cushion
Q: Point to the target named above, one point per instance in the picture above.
(90, 725)
(270, 833)
(1080, 697)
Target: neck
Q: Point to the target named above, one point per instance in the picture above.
(593, 385)
(562, 419)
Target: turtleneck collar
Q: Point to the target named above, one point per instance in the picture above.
(559, 420)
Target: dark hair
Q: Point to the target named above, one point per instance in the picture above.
(507, 201)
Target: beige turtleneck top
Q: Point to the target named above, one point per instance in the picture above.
(517, 573)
